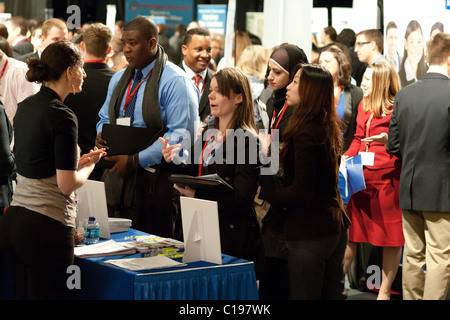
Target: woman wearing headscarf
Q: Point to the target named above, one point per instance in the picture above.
(280, 72)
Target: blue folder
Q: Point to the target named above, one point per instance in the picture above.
(355, 174)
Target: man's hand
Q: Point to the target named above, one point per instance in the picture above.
(120, 166)
(100, 142)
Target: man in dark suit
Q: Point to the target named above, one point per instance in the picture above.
(17, 36)
(86, 104)
(197, 56)
(419, 134)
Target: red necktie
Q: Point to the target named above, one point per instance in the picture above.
(197, 78)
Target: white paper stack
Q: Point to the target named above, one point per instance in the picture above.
(139, 264)
(102, 249)
(119, 225)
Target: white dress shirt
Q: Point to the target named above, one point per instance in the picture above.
(191, 74)
(14, 87)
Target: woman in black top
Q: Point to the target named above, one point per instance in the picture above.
(226, 148)
(280, 72)
(37, 230)
(315, 228)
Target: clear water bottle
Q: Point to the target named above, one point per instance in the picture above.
(92, 231)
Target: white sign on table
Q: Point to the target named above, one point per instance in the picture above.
(91, 202)
(201, 230)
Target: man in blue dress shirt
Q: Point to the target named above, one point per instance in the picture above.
(162, 99)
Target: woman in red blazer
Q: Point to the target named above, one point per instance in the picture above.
(375, 212)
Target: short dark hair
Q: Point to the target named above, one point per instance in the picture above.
(146, 26)
(374, 35)
(439, 48)
(195, 31)
(330, 31)
(20, 22)
(391, 25)
(347, 37)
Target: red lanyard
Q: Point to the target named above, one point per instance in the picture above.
(95, 61)
(206, 155)
(280, 116)
(367, 130)
(4, 67)
(24, 39)
(129, 96)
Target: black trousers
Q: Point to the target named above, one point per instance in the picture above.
(38, 250)
(316, 267)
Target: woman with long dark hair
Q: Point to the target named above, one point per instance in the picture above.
(316, 222)
(281, 69)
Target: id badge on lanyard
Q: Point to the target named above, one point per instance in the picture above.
(367, 158)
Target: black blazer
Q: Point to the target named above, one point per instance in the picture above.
(23, 47)
(25, 57)
(419, 134)
(352, 99)
(239, 228)
(310, 194)
(203, 106)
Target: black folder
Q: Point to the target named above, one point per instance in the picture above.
(200, 182)
(126, 139)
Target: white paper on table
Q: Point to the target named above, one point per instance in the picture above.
(139, 264)
(106, 248)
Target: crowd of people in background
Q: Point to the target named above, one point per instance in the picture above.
(60, 87)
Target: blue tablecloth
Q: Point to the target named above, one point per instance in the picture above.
(234, 279)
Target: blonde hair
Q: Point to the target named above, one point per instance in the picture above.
(240, 42)
(385, 84)
(53, 22)
(253, 61)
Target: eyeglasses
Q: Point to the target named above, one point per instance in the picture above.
(359, 44)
